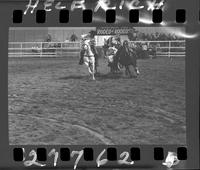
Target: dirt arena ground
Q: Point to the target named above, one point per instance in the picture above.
(53, 101)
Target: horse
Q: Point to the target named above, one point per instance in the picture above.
(88, 59)
(126, 56)
(96, 56)
(110, 51)
(91, 43)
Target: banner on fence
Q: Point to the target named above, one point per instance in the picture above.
(114, 30)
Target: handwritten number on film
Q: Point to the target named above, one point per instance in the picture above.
(80, 154)
(99, 161)
(125, 159)
(33, 161)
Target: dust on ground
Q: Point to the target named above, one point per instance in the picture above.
(54, 101)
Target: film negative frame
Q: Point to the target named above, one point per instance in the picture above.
(144, 156)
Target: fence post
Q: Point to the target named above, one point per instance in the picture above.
(41, 49)
(61, 49)
(169, 49)
(21, 47)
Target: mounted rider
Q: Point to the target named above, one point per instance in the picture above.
(87, 56)
(90, 41)
(111, 51)
(129, 49)
(92, 34)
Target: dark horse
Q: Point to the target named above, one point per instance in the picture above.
(127, 57)
(114, 65)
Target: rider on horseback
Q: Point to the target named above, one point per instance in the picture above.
(88, 58)
(93, 47)
(130, 51)
(112, 50)
(90, 40)
(84, 41)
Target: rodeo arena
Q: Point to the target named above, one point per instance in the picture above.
(88, 85)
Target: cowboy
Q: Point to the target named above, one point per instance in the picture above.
(111, 52)
(84, 40)
(88, 58)
(130, 51)
(90, 40)
(93, 46)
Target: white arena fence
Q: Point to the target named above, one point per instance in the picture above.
(166, 48)
(62, 49)
(43, 49)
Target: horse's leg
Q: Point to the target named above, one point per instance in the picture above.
(96, 71)
(93, 69)
(111, 69)
(116, 64)
(128, 71)
(111, 66)
(130, 74)
(90, 71)
(88, 67)
(135, 67)
(116, 67)
(134, 64)
(137, 70)
(96, 63)
(119, 67)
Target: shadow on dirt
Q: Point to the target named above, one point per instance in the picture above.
(75, 77)
(109, 76)
(119, 75)
(98, 76)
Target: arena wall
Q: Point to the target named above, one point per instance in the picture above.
(29, 34)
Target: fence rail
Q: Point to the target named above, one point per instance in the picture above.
(58, 49)
(43, 49)
(167, 48)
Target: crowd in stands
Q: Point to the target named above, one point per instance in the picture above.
(153, 37)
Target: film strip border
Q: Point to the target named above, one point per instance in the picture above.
(87, 16)
(65, 153)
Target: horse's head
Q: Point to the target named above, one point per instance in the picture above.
(125, 43)
(92, 33)
(85, 47)
(110, 42)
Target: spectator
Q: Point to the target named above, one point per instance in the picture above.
(153, 37)
(73, 37)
